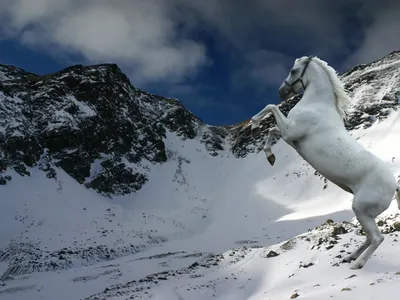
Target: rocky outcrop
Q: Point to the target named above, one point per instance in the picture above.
(93, 123)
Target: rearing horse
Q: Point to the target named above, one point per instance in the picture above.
(315, 128)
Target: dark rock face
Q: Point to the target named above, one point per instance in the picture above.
(83, 117)
(92, 123)
(214, 139)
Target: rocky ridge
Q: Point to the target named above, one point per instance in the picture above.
(93, 123)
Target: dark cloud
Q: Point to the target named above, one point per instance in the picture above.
(380, 35)
(140, 35)
(261, 69)
(266, 36)
(159, 41)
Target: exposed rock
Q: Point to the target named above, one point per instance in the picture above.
(396, 226)
(380, 223)
(289, 244)
(94, 124)
(339, 230)
(85, 116)
(272, 254)
(294, 296)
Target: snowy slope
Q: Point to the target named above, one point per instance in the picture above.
(207, 215)
(203, 226)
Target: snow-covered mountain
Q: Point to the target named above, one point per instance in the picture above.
(113, 193)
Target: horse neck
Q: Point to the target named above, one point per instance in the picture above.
(319, 88)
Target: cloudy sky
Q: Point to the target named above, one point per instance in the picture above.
(224, 59)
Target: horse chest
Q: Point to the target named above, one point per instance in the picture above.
(304, 120)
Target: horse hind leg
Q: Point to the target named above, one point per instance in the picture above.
(375, 237)
(358, 251)
(367, 206)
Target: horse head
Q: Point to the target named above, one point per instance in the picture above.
(296, 81)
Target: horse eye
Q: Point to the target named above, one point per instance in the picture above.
(292, 71)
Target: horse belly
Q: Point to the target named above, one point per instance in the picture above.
(337, 159)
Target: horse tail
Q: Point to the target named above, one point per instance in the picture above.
(398, 196)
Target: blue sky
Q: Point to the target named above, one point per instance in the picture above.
(223, 59)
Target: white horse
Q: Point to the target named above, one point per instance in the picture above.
(315, 129)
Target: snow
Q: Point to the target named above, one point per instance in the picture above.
(4, 75)
(62, 117)
(202, 227)
(194, 205)
(84, 108)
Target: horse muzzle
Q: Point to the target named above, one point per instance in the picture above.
(285, 91)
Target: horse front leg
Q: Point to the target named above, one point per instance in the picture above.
(273, 133)
(288, 129)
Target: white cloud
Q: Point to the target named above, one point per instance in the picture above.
(140, 35)
(381, 37)
(255, 33)
(155, 41)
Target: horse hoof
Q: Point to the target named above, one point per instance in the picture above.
(357, 266)
(271, 159)
(347, 259)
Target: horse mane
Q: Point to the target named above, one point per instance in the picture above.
(342, 98)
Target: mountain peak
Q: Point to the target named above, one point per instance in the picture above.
(392, 57)
(8, 72)
(86, 115)
(105, 68)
